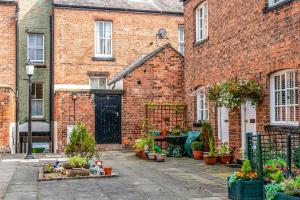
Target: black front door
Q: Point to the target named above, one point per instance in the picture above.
(108, 119)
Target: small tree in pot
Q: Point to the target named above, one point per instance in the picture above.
(211, 158)
(197, 148)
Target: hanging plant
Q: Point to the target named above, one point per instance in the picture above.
(232, 94)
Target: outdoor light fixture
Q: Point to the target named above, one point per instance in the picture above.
(29, 68)
(29, 72)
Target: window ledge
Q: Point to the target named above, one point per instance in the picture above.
(40, 65)
(38, 118)
(274, 7)
(96, 58)
(201, 42)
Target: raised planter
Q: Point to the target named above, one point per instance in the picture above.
(246, 190)
(283, 196)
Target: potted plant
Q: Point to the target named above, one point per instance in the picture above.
(176, 131)
(197, 148)
(161, 157)
(225, 153)
(245, 184)
(291, 189)
(107, 170)
(211, 158)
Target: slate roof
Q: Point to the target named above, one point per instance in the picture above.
(7, 1)
(157, 6)
(137, 63)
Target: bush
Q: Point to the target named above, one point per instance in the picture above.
(77, 161)
(198, 146)
(297, 156)
(289, 187)
(81, 143)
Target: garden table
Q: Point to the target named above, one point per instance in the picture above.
(176, 145)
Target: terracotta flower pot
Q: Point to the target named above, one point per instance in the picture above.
(151, 156)
(160, 157)
(138, 153)
(107, 171)
(226, 159)
(144, 155)
(197, 154)
(210, 160)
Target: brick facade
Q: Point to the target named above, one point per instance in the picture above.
(161, 81)
(8, 70)
(243, 40)
(133, 35)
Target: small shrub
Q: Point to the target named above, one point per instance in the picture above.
(198, 146)
(81, 142)
(246, 168)
(77, 161)
(48, 168)
(272, 191)
(289, 187)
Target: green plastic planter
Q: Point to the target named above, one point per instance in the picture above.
(246, 190)
(282, 196)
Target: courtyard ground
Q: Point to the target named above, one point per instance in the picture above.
(176, 179)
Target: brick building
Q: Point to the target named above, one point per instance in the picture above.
(253, 39)
(8, 74)
(92, 43)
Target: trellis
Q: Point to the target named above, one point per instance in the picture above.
(165, 116)
(275, 143)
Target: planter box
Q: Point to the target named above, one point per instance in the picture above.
(246, 190)
(282, 196)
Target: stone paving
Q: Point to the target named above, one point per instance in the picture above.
(176, 179)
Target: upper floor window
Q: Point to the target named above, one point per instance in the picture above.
(284, 98)
(202, 22)
(181, 39)
(37, 96)
(274, 2)
(103, 39)
(98, 82)
(35, 47)
(202, 105)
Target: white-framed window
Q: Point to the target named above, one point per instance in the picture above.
(202, 21)
(274, 2)
(202, 105)
(70, 129)
(103, 39)
(37, 99)
(181, 39)
(284, 98)
(98, 82)
(35, 47)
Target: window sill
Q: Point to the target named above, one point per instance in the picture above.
(40, 65)
(201, 42)
(38, 119)
(276, 6)
(95, 58)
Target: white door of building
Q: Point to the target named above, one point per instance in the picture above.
(223, 124)
(248, 122)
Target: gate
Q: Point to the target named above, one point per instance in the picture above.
(108, 119)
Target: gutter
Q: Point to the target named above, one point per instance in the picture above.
(17, 78)
(8, 2)
(51, 81)
(117, 9)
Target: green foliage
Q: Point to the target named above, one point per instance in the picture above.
(48, 168)
(272, 191)
(224, 149)
(273, 170)
(246, 168)
(196, 145)
(297, 181)
(145, 141)
(81, 142)
(211, 147)
(77, 161)
(206, 127)
(232, 179)
(232, 94)
(289, 187)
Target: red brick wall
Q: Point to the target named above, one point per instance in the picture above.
(65, 115)
(133, 34)
(161, 82)
(8, 70)
(243, 41)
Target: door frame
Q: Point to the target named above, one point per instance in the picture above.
(219, 115)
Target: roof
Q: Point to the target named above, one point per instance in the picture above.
(137, 63)
(155, 6)
(8, 1)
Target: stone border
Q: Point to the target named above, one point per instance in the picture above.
(41, 178)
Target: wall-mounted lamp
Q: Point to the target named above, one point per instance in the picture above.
(74, 96)
(138, 81)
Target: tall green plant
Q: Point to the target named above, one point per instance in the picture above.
(81, 143)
